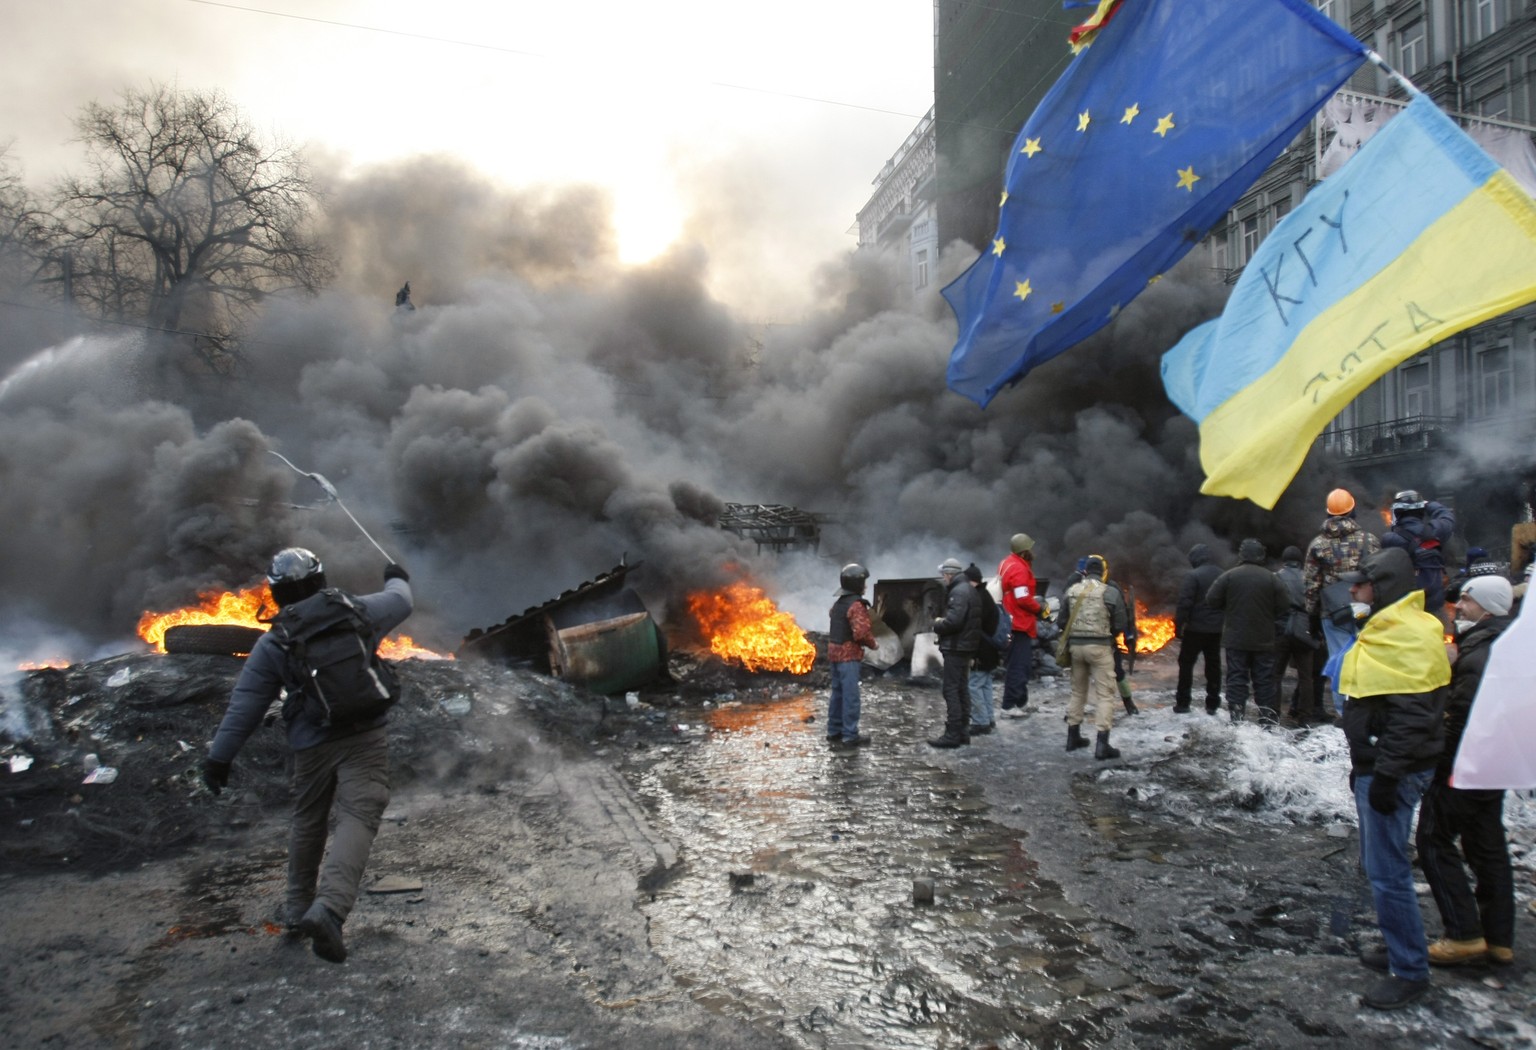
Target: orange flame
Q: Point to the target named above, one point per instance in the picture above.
(404, 647)
(240, 608)
(743, 625)
(1152, 632)
(58, 663)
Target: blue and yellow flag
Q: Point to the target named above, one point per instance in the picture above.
(1419, 236)
(1143, 144)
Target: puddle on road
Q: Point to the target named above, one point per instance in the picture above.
(823, 939)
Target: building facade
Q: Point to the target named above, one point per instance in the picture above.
(901, 216)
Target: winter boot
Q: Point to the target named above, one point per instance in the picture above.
(323, 926)
(952, 738)
(1449, 952)
(1075, 738)
(1101, 748)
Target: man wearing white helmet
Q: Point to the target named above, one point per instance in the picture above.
(340, 764)
(1478, 925)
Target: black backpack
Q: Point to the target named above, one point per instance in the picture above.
(335, 677)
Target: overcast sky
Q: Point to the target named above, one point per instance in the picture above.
(664, 102)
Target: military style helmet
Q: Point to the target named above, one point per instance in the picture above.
(295, 574)
(1340, 502)
(1021, 543)
(852, 577)
(1103, 565)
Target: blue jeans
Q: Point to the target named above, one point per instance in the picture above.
(1384, 853)
(981, 697)
(1021, 657)
(843, 705)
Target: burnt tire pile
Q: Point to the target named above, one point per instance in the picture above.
(217, 639)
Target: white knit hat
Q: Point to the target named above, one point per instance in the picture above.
(1491, 592)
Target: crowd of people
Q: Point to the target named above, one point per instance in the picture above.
(1384, 642)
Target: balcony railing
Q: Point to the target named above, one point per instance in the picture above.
(1391, 438)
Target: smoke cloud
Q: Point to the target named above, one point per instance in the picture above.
(545, 412)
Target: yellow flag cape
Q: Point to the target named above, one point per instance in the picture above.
(1401, 649)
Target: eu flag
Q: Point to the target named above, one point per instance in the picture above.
(1144, 143)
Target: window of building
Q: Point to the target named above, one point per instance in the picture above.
(1250, 237)
(1486, 17)
(920, 276)
(1279, 210)
(1412, 48)
(1495, 381)
(1219, 257)
(1332, 8)
(1490, 96)
(1416, 390)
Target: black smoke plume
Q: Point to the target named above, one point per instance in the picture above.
(546, 411)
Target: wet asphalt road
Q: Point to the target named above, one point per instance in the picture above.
(1069, 910)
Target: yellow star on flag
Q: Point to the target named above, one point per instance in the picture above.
(1004, 200)
(1057, 308)
(1022, 290)
(1164, 125)
(1082, 120)
(1031, 147)
(998, 246)
(1131, 114)
(1188, 178)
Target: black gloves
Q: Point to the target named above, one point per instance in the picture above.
(1383, 794)
(393, 571)
(215, 775)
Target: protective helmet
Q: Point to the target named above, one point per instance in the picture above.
(951, 567)
(1408, 499)
(1103, 565)
(295, 574)
(1094, 566)
(1340, 502)
(852, 577)
(1021, 543)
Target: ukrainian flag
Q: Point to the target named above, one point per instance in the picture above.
(1419, 236)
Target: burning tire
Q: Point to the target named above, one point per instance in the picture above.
(217, 639)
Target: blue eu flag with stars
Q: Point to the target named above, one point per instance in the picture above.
(1145, 142)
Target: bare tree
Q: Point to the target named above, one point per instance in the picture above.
(24, 228)
(186, 220)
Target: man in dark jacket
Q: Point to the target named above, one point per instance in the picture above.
(959, 638)
(849, 633)
(1394, 678)
(1295, 644)
(995, 636)
(1198, 628)
(1423, 527)
(1482, 925)
(1251, 599)
(341, 771)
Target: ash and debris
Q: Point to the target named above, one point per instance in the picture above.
(691, 865)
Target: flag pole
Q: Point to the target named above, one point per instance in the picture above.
(1381, 63)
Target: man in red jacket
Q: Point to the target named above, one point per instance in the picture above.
(1022, 605)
